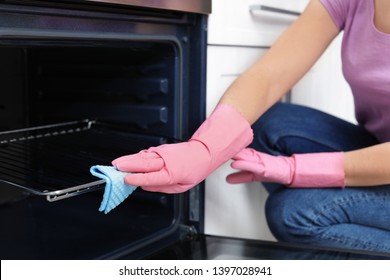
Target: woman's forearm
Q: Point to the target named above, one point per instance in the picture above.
(250, 94)
(369, 166)
(290, 57)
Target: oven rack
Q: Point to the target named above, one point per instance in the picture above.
(54, 160)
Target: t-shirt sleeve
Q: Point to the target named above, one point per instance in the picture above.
(338, 10)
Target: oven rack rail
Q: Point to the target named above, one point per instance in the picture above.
(52, 196)
(54, 160)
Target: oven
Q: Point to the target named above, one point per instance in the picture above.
(83, 82)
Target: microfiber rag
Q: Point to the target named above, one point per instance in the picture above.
(115, 191)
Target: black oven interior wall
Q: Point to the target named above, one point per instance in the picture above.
(132, 86)
(138, 92)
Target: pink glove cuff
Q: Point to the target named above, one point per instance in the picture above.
(319, 170)
(225, 133)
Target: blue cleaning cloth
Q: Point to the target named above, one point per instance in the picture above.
(115, 191)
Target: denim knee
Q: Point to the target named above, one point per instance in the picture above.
(350, 218)
(288, 218)
(286, 129)
(267, 129)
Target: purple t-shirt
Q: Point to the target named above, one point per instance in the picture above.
(366, 62)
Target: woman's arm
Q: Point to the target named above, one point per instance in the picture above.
(287, 61)
(291, 56)
(369, 166)
(359, 168)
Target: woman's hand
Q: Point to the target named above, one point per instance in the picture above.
(314, 170)
(256, 166)
(175, 168)
(170, 168)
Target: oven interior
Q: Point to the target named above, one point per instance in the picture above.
(66, 105)
(87, 106)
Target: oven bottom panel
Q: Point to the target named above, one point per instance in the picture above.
(208, 247)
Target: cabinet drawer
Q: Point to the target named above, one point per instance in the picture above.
(224, 65)
(248, 23)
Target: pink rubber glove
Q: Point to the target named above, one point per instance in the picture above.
(175, 168)
(315, 170)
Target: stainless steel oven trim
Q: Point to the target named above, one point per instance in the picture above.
(193, 6)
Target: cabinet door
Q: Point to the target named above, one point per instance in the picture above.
(232, 210)
(251, 22)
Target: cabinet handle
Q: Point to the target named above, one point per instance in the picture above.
(253, 8)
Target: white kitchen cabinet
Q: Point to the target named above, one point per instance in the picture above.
(248, 23)
(232, 210)
(224, 64)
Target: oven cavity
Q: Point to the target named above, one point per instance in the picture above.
(82, 84)
(83, 106)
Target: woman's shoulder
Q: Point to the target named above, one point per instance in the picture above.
(343, 10)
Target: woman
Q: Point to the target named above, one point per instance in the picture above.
(331, 179)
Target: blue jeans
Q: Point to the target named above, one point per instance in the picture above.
(350, 218)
